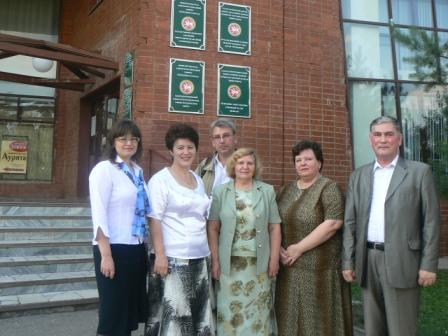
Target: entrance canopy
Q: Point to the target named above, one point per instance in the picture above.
(85, 65)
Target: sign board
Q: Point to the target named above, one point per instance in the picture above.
(188, 24)
(127, 103)
(233, 91)
(186, 87)
(234, 29)
(13, 156)
(128, 69)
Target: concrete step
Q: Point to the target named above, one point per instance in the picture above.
(11, 304)
(46, 264)
(44, 247)
(46, 257)
(12, 233)
(45, 221)
(39, 209)
(46, 282)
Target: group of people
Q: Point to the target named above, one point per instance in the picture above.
(224, 254)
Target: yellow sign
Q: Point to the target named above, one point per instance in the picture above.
(13, 156)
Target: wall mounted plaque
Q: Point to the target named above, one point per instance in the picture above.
(186, 87)
(233, 91)
(188, 24)
(234, 29)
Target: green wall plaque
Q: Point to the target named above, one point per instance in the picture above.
(188, 24)
(127, 103)
(233, 91)
(186, 87)
(128, 69)
(234, 28)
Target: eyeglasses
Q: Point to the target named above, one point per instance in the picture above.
(132, 140)
(223, 137)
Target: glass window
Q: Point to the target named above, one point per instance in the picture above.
(443, 43)
(368, 100)
(368, 51)
(424, 115)
(37, 19)
(408, 67)
(39, 139)
(442, 13)
(36, 109)
(412, 12)
(27, 111)
(365, 10)
(8, 108)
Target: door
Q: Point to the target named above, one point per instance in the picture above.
(102, 117)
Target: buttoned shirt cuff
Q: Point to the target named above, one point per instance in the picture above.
(347, 265)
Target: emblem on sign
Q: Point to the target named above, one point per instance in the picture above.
(188, 23)
(186, 86)
(234, 29)
(234, 91)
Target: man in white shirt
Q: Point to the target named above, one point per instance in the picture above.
(212, 169)
(391, 233)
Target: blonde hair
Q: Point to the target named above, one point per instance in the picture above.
(238, 154)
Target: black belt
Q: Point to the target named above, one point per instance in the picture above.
(375, 246)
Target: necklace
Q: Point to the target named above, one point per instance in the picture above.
(188, 181)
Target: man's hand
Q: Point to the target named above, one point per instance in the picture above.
(426, 278)
(349, 275)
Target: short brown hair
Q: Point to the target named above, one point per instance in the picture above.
(238, 154)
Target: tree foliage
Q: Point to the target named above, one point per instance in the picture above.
(429, 58)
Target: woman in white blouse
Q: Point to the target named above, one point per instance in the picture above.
(179, 277)
(120, 205)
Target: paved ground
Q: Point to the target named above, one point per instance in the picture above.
(76, 323)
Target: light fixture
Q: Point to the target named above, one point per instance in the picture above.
(42, 64)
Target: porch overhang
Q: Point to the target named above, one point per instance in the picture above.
(85, 65)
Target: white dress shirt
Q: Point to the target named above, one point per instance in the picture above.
(182, 212)
(381, 181)
(113, 198)
(221, 176)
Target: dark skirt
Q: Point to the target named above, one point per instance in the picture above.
(123, 301)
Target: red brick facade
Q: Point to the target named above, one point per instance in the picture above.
(298, 85)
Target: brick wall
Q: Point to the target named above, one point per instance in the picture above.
(263, 131)
(314, 95)
(298, 84)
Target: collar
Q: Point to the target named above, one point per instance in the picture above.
(390, 165)
(217, 161)
(256, 184)
(119, 160)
